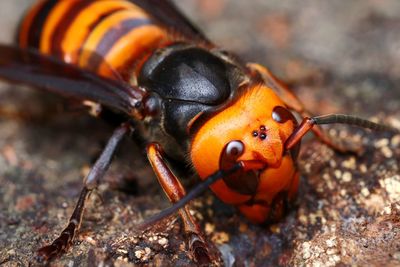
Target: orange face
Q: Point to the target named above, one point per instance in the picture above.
(259, 124)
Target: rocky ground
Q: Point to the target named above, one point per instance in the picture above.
(338, 56)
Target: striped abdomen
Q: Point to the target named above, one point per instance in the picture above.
(102, 36)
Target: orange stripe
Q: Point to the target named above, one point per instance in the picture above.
(54, 18)
(105, 26)
(81, 27)
(96, 30)
(131, 46)
(27, 23)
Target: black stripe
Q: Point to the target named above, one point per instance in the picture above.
(111, 37)
(38, 22)
(92, 27)
(66, 21)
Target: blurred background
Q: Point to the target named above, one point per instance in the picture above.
(338, 56)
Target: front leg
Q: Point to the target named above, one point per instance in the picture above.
(175, 191)
(61, 244)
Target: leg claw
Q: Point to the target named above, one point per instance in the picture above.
(199, 250)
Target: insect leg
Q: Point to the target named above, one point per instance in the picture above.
(290, 99)
(97, 172)
(294, 103)
(175, 191)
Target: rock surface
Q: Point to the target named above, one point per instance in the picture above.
(338, 56)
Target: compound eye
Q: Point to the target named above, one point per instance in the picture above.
(281, 114)
(233, 150)
(245, 183)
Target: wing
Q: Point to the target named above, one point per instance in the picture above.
(31, 68)
(166, 14)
